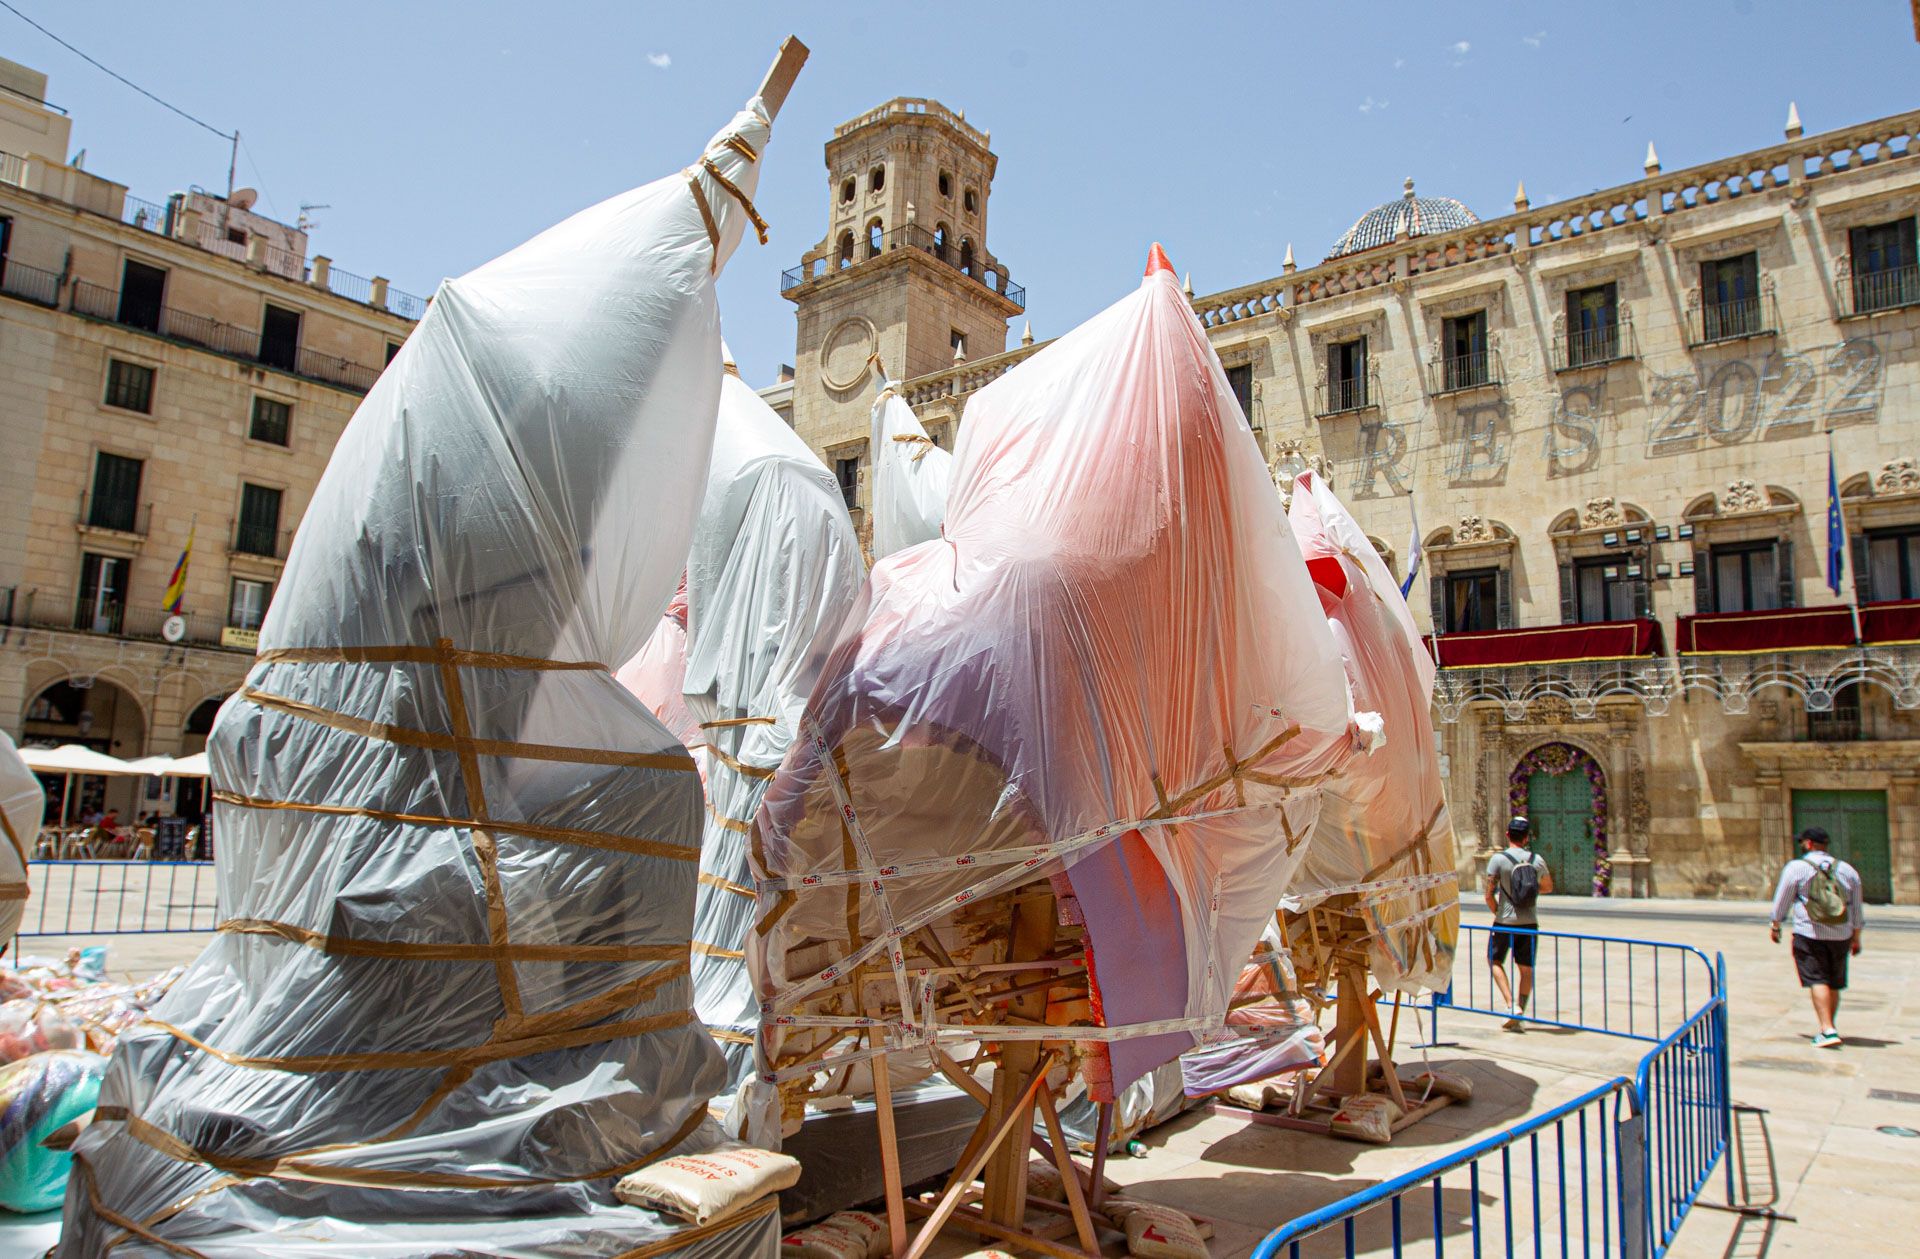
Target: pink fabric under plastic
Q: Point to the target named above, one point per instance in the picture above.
(1384, 834)
(1116, 627)
(658, 672)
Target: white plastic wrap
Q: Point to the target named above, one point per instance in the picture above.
(450, 1000)
(773, 572)
(1384, 835)
(910, 476)
(23, 802)
(1111, 674)
(658, 674)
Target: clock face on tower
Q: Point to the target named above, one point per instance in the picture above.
(844, 354)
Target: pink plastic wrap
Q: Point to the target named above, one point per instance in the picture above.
(1384, 835)
(1110, 679)
(658, 672)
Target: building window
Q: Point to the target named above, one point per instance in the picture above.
(876, 239)
(1463, 345)
(1593, 325)
(846, 249)
(102, 605)
(1841, 723)
(1748, 577)
(129, 386)
(247, 605)
(393, 348)
(258, 530)
(1347, 376)
(237, 236)
(115, 500)
(971, 201)
(876, 179)
(957, 342)
(946, 185)
(1886, 269)
(940, 238)
(279, 337)
(1473, 601)
(1892, 565)
(966, 255)
(846, 470)
(846, 190)
(272, 421)
(142, 293)
(1240, 380)
(1603, 590)
(1730, 297)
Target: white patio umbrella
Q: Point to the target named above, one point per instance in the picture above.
(153, 766)
(73, 758)
(194, 766)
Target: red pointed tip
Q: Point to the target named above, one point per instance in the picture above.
(1157, 260)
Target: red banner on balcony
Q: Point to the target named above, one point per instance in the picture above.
(1894, 622)
(1783, 629)
(1551, 644)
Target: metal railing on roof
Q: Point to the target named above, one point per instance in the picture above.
(964, 258)
(148, 216)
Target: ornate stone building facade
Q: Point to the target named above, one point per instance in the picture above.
(167, 371)
(1613, 417)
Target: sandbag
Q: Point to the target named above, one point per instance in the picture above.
(39, 1095)
(1365, 1117)
(711, 1186)
(1159, 1232)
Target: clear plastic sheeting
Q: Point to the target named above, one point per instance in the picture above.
(1384, 836)
(657, 676)
(910, 476)
(23, 802)
(450, 1002)
(773, 572)
(1102, 706)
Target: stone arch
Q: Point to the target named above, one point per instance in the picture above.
(1560, 755)
(844, 257)
(942, 241)
(966, 255)
(99, 711)
(876, 238)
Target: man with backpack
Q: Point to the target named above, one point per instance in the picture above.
(1823, 894)
(1515, 879)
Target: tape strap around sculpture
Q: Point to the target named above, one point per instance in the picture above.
(533, 830)
(13, 837)
(733, 763)
(415, 654)
(405, 736)
(1376, 889)
(427, 951)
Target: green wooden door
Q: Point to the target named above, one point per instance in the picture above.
(1857, 821)
(1560, 806)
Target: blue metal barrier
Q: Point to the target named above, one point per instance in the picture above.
(1613, 1172)
(119, 897)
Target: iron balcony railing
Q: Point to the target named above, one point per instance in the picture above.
(120, 515)
(270, 541)
(1607, 342)
(1478, 370)
(33, 284)
(971, 262)
(100, 302)
(1711, 322)
(1868, 292)
(1350, 393)
(58, 610)
(148, 216)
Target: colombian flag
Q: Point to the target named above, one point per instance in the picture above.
(177, 584)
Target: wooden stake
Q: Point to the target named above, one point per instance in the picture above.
(1069, 1173)
(1391, 1076)
(1030, 936)
(1021, 1110)
(781, 74)
(1102, 1135)
(889, 1155)
(1350, 1028)
(970, 1217)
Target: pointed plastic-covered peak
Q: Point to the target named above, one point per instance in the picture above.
(1793, 120)
(1157, 260)
(1653, 160)
(1520, 201)
(1026, 334)
(727, 363)
(1186, 284)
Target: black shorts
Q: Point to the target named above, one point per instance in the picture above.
(1821, 961)
(1520, 939)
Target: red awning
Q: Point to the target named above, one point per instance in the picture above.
(1551, 644)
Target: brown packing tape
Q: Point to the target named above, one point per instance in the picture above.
(724, 722)
(733, 190)
(726, 885)
(129, 1228)
(432, 951)
(408, 654)
(706, 215)
(432, 741)
(533, 830)
(13, 838)
(741, 147)
(14, 891)
(738, 766)
(714, 950)
(738, 825)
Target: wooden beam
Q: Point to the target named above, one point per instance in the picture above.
(781, 74)
(889, 1155)
(1011, 1118)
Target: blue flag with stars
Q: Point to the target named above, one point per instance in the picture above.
(1836, 531)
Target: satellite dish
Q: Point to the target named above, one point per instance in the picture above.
(243, 198)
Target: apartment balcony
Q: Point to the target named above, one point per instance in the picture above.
(31, 284)
(120, 519)
(968, 261)
(1461, 373)
(1812, 653)
(263, 542)
(1863, 293)
(63, 611)
(97, 301)
(1579, 665)
(1711, 323)
(1577, 348)
(1353, 393)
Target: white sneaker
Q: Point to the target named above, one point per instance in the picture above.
(1513, 1023)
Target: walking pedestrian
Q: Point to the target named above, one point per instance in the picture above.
(1823, 894)
(1515, 880)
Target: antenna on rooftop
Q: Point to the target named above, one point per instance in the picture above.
(306, 221)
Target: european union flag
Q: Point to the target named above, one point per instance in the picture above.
(1836, 530)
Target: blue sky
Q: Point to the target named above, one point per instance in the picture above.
(442, 134)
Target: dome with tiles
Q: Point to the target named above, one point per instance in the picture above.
(1416, 216)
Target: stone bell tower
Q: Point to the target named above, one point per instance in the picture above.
(903, 271)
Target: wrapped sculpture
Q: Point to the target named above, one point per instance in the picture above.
(657, 676)
(910, 476)
(772, 574)
(450, 1001)
(1051, 786)
(23, 803)
(1382, 853)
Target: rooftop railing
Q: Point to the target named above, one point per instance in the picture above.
(967, 260)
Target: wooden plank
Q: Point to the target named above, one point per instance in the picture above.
(1030, 936)
(1102, 1137)
(781, 74)
(889, 1155)
(1069, 1173)
(1011, 1117)
(970, 1218)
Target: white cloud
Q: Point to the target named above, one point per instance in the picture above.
(1534, 40)
(1368, 105)
(659, 60)
(1462, 48)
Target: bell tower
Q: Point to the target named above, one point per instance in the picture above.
(904, 271)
